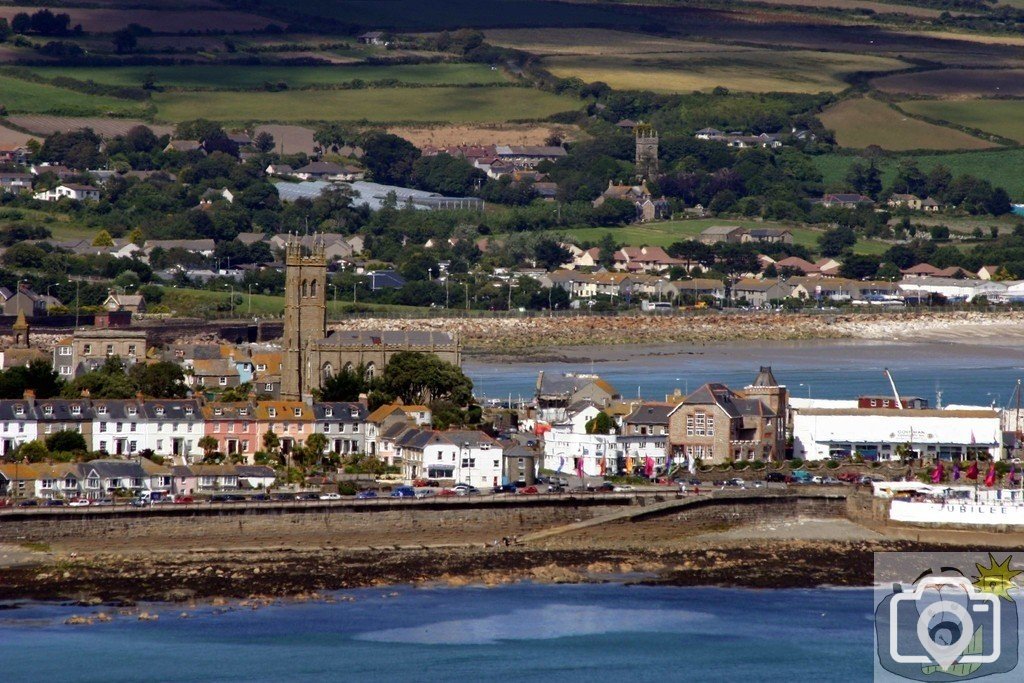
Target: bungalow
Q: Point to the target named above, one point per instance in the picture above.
(798, 264)
(759, 293)
(845, 201)
(72, 191)
(328, 170)
(133, 303)
(104, 477)
(279, 169)
(212, 478)
(255, 476)
(203, 247)
(702, 287)
(768, 236)
(732, 234)
(645, 259)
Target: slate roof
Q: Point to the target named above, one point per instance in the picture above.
(372, 338)
(341, 411)
(650, 413)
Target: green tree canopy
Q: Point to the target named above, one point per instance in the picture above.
(39, 376)
(66, 441)
(419, 378)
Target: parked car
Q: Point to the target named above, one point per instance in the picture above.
(103, 501)
(260, 498)
(504, 488)
(606, 487)
(623, 488)
(777, 477)
(139, 502)
(447, 493)
(849, 477)
(829, 481)
(30, 503)
(54, 503)
(366, 495)
(466, 490)
(330, 496)
(284, 496)
(424, 493)
(868, 480)
(555, 488)
(419, 483)
(308, 495)
(183, 500)
(403, 492)
(6, 503)
(527, 491)
(78, 503)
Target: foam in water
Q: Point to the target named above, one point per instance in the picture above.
(544, 623)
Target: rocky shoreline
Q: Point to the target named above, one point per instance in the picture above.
(126, 579)
(534, 336)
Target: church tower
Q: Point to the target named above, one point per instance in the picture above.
(305, 313)
(20, 328)
(646, 152)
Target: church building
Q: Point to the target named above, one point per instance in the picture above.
(311, 354)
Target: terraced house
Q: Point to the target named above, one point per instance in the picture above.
(292, 421)
(343, 425)
(233, 425)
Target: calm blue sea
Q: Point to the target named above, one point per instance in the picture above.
(965, 374)
(590, 633)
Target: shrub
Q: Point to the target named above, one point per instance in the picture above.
(796, 463)
(347, 488)
(832, 464)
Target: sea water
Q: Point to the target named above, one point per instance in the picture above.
(976, 374)
(523, 632)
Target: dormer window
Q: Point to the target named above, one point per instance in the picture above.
(159, 410)
(354, 414)
(272, 412)
(329, 412)
(262, 367)
(218, 411)
(19, 409)
(243, 411)
(101, 410)
(188, 410)
(76, 409)
(132, 410)
(48, 410)
(298, 412)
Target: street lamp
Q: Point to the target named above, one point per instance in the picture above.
(232, 300)
(249, 313)
(335, 288)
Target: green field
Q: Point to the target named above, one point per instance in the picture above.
(25, 97)
(1000, 167)
(201, 303)
(1002, 117)
(230, 77)
(665, 233)
(454, 105)
(864, 121)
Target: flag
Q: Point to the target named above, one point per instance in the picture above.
(629, 465)
(956, 472)
(973, 440)
(972, 471)
(561, 465)
(693, 465)
(649, 467)
(579, 467)
(937, 473)
(990, 478)
(604, 466)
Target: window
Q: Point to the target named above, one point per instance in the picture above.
(223, 381)
(328, 412)
(132, 410)
(272, 412)
(19, 410)
(243, 411)
(48, 429)
(245, 426)
(689, 425)
(120, 426)
(261, 367)
(469, 462)
(101, 410)
(103, 447)
(76, 409)
(216, 427)
(159, 410)
(188, 410)
(110, 349)
(231, 427)
(132, 427)
(698, 420)
(245, 446)
(65, 350)
(298, 412)
(103, 426)
(218, 411)
(48, 410)
(133, 446)
(270, 386)
(131, 349)
(159, 444)
(65, 369)
(87, 349)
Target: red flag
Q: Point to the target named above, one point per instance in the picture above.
(604, 466)
(937, 473)
(972, 471)
(990, 478)
(649, 466)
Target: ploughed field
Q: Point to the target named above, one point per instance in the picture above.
(951, 83)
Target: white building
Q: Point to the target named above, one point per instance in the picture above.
(602, 454)
(949, 434)
(459, 456)
(950, 288)
(71, 191)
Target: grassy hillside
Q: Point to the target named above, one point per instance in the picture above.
(244, 77)
(24, 97)
(863, 122)
(1002, 117)
(665, 233)
(455, 105)
(1001, 167)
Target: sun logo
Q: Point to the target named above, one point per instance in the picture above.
(997, 577)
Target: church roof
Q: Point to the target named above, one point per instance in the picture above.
(371, 338)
